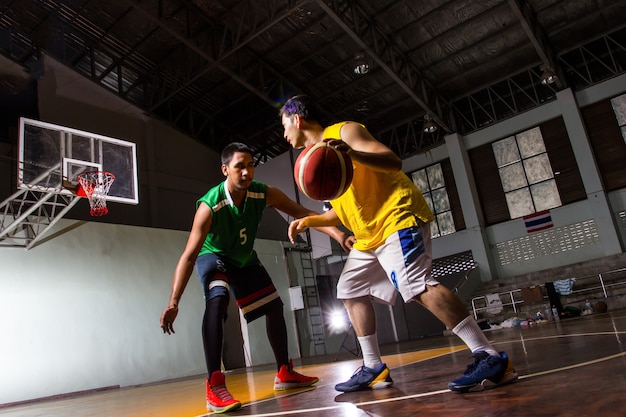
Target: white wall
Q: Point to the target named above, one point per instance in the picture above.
(82, 311)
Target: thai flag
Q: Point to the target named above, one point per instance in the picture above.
(538, 221)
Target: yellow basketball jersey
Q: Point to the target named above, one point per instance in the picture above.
(377, 204)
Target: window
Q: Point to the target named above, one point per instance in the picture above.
(430, 181)
(526, 174)
(619, 107)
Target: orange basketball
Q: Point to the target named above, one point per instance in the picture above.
(322, 172)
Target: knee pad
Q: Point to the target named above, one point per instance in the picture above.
(217, 291)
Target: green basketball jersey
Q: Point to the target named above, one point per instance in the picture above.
(232, 231)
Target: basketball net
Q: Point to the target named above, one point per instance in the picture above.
(96, 186)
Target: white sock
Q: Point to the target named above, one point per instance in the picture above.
(371, 352)
(473, 336)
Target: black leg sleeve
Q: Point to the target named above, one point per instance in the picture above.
(213, 331)
(277, 335)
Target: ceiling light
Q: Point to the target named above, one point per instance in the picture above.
(361, 66)
(548, 76)
(429, 125)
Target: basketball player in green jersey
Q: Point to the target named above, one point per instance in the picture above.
(220, 244)
(391, 250)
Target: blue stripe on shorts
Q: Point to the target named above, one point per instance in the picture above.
(412, 243)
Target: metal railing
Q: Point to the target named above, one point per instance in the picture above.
(510, 295)
(590, 284)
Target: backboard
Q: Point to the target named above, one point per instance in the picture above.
(51, 156)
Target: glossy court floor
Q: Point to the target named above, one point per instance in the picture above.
(574, 367)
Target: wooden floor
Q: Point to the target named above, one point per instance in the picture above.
(575, 367)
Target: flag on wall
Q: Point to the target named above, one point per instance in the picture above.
(538, 221)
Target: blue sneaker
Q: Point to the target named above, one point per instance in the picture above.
(367, 378)
(486, 371)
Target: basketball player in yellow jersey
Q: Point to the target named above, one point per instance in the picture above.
(391, 250)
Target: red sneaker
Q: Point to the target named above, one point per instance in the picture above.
(218, 399)
(287, 378)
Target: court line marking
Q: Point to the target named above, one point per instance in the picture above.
(559, 336)
(443, 391)
(578, 365)
(423, 394)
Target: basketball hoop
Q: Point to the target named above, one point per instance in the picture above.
(96, 186)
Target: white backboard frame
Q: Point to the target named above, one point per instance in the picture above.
(50, 154)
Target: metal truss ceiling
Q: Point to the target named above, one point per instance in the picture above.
(218, 70)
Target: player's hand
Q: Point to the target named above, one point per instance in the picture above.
(348, 243)
(295, 228)
(340, 145)
(167, 319)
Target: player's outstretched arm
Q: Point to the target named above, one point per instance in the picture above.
(279, 200)
(184, 267)
(318, 222)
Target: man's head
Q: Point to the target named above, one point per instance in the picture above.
(297, 114)
(303, 106)
(238, 166)
(231, 148)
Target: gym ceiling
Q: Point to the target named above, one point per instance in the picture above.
(218, 70)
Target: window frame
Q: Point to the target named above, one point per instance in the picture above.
(428, 196)
(489, 188)
(521, 161)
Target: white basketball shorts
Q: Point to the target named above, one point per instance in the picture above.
(402, 264)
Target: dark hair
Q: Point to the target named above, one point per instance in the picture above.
(303, 106)
(231, 148)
